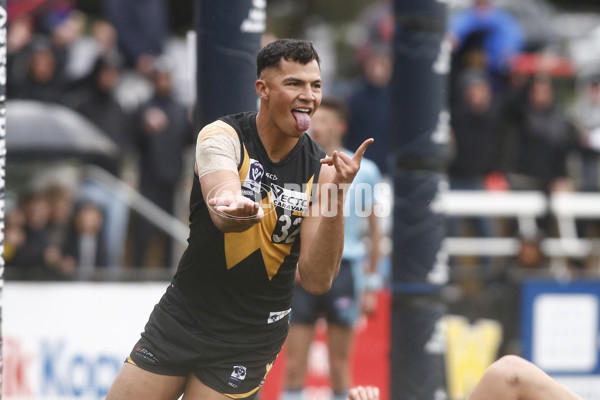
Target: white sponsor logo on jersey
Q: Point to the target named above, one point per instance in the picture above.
(277, 315)
(289, 199)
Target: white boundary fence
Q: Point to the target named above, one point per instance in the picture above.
(525, 207)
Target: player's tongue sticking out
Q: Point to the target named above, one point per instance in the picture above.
(302, 120)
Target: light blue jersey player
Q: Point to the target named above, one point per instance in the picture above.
(353, 290)
(361, 226)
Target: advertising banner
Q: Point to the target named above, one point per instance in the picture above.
(560, 327)
(69, 340)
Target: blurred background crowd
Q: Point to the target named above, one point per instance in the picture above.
(118, 65)
(523, 97)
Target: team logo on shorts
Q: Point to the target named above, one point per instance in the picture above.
(276, 316)
(239, 373)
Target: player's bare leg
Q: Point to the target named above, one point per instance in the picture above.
(340, 342)
(195, 390)
(297, 347)
(134, 383)
(513, 378)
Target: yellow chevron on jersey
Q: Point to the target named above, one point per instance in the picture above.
(240, 245)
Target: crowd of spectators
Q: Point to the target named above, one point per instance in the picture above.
(512, 129)
(513, 126)
(111, 69)
(52, 235)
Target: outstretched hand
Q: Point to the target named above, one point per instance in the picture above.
(346, 167)
(237, 208)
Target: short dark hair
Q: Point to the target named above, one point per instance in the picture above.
(289, 49)
(337, 105)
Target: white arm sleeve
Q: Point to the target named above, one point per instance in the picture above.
(218, 148)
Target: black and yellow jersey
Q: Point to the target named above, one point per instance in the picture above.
(240, 284)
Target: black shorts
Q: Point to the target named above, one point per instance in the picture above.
(172, 345)
(339, 305)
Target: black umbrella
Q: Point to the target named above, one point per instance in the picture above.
(44, 131)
